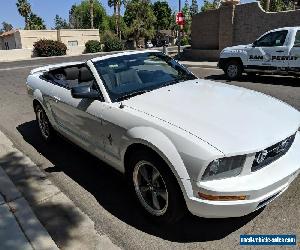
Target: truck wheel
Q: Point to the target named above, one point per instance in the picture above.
(233, 69)
(155, 188)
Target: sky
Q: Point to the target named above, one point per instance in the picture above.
(47, 9)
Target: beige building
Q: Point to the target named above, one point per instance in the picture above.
(24, 39)
(18, 44)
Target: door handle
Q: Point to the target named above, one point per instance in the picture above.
(279, 51)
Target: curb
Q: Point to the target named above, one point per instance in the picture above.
(41, 208)
(34, 232)
(199, 65)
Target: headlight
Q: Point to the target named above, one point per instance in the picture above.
(224, 168)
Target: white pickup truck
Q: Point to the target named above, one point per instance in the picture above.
(275, 52)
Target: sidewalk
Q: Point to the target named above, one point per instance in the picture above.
(204, 64)
(35, 214)
(19, 227)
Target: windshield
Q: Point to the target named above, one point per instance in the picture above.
(130, 75)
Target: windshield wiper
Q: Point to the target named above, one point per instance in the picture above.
(127, 96)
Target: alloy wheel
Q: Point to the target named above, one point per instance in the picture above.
(43, 123)
(150, 188)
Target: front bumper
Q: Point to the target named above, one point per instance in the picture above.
(260, 187)
(222, 63)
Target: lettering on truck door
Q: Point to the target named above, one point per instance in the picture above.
(270, 52)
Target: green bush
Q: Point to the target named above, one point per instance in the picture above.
(112, 42)
(92, 46)
(46, 48)
(184, 41)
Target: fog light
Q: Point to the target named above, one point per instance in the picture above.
(221, 198)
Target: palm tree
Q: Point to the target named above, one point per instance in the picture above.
(119, 3)
(24, 9)
(114, 3)
(92, 13)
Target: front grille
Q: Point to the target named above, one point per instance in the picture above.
(271, 154)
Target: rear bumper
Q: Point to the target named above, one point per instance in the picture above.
(260, 188)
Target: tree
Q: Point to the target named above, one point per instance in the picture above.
(60, 23)
(116, 4)
(73, 20)
(80, 16)
(140, 19)
(163, 14)
(35, 22)
(187, 17)
(24, 9)
(113, 3)
(6, 27)
(123, 29)
(277, 5)
(92, 13)
(194, 8)
(207, 5)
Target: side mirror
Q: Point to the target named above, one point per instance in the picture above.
(254, 44)
(84, 91)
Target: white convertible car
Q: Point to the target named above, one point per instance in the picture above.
(183, 143)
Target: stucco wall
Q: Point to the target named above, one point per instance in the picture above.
(29, 37)
(251, 21)
(15, 54)
(205, 30)
(81, 36)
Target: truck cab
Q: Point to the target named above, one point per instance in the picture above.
(275, 52)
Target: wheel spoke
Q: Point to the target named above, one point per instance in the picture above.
(144, 174)
(155, 201)
(155, 175)
(144, 189)
(163, 194)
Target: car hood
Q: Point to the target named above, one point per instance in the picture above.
(233, 119)
(238, 47)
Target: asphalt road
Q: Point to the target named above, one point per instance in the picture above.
(101, 192)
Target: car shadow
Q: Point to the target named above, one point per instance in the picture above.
(263, 79)
(109, 187)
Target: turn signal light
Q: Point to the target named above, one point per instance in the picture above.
(221, 198)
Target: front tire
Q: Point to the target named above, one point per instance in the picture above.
(155, 188)
(233, 70)
(45, 127)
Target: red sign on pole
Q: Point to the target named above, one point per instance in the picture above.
(180, 18)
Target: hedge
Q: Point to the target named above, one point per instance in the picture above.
(92, 46)
(47, 48)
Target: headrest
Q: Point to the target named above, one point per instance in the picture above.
(71, 73)
(85, 75)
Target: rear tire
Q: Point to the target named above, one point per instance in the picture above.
(233, 69)
(155, 188)
(45, 127)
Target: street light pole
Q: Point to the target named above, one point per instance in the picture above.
(179, 31)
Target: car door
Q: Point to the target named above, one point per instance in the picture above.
(270, 52)
(79, 119)
(294, 62)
